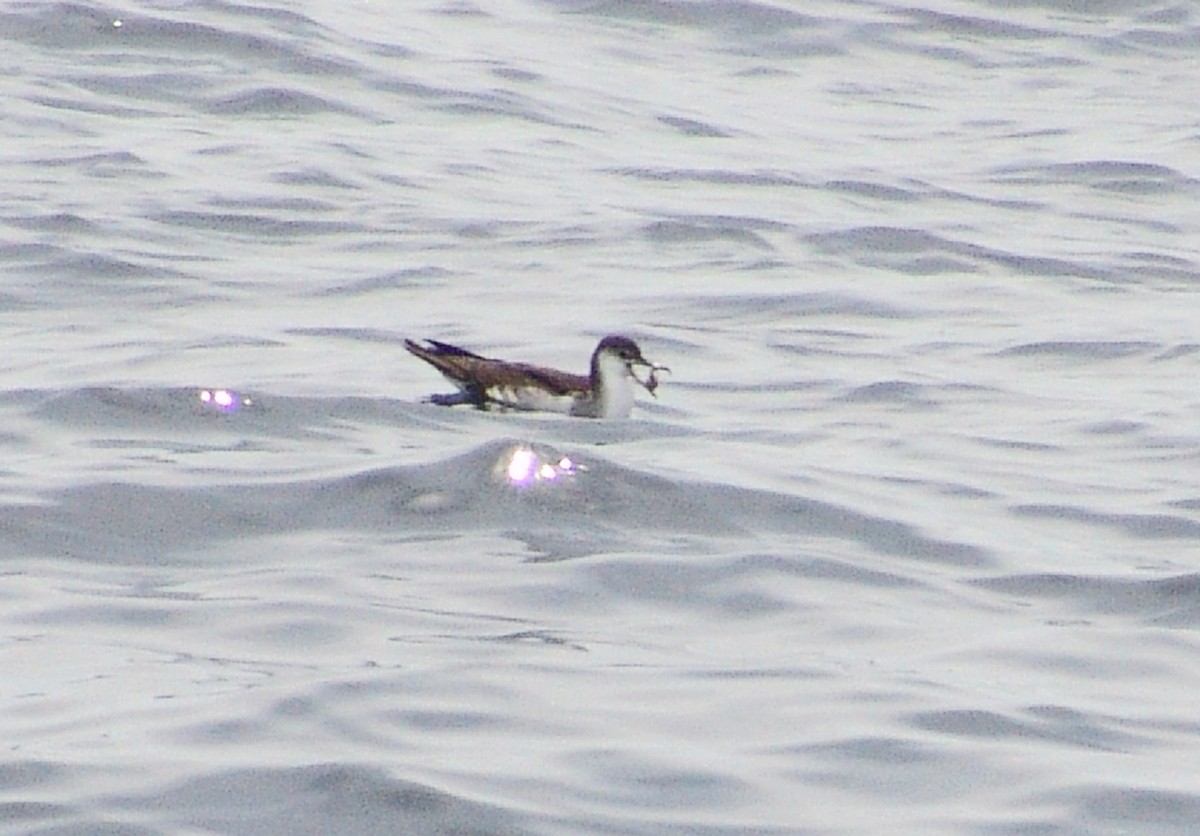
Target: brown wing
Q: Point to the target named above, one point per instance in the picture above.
(455, 363)
(485, 373)
(560, 383)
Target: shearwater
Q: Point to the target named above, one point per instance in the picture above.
(606, 392)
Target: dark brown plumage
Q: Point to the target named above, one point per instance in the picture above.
(483, 381)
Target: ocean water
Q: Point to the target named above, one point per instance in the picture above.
(909, 541)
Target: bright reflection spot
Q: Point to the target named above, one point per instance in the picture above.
(223, 400)
(526, 467)
(520, 467)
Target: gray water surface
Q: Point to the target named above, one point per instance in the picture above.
(909, 541)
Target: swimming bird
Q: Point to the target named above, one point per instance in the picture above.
(606, 392)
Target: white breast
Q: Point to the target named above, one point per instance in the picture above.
(616, 392)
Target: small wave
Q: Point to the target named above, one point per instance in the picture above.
(1172, 601)
(1142, 526)
(1081, 349)
(597, 505)
(921, 252)
(1107, 175)
(278, 101)
(325, 798)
